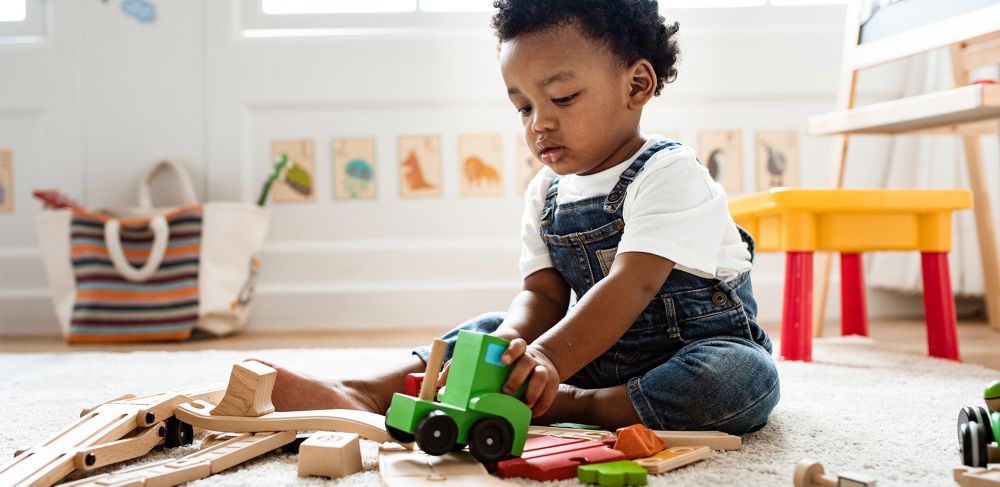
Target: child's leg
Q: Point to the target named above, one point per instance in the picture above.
(293, 392)
(725, 384)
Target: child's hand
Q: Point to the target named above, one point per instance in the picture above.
(530, 364)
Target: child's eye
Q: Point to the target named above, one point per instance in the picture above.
(524, 111)
(564, 100)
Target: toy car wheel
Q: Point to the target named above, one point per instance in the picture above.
(396, 433)
(436, 433)
(975, 449)
(975, 414)
(490, 439)
(178, 433)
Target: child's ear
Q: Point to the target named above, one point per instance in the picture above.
(642, 83)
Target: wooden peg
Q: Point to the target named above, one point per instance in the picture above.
(329, 454)
(248, 394)
(810, 473)
(428, 388)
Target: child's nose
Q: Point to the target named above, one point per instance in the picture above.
(544, 121)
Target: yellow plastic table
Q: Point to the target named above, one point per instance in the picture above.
(851, 221)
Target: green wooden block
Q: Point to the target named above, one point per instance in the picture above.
(625, 472)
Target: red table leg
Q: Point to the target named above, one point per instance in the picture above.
(939, 305)
(852, 296)
(796, 317)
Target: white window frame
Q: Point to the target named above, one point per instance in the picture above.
(32, 30)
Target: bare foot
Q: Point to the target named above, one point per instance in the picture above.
(293, 392)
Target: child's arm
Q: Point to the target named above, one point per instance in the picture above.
(595, 324)
(541, 303)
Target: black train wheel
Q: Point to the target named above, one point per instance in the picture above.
(178, 433)
(975, 448)
(490, 439)
(396, 433)
(436, 433)
(975, 414)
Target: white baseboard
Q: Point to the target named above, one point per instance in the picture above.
(388, 285)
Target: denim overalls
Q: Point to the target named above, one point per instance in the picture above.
(695, 359)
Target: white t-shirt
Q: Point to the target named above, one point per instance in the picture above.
(672, 209)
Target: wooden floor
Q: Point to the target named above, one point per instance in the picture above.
(979, 344)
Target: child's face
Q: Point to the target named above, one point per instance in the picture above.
(573, 96)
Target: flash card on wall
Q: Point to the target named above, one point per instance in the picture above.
(419, 166)
(721, 151)
(527, 165)
(481, 163)
(777, 158)
(296, 184)
(6, 181)
(354, 168)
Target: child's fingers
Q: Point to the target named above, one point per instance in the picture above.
(536, 386)
(443, 376)
(518, 374)
(514, 351)
(545, 402)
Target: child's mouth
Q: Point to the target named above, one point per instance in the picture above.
(551, 155)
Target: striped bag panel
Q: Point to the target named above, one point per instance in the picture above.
(108, 308)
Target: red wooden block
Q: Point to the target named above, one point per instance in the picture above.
(638, 441)
(413, 382)
(556, 458)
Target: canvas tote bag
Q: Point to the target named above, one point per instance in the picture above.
(148, 274)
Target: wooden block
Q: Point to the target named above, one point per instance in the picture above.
(404, 468)
(555, 458)
(637, 441)
(583, 434)
(674, 458)
(413, 382)
(249, 391)
(977, 477)
(715, 440)
(624, 472)
(329, 454)
(369, 425)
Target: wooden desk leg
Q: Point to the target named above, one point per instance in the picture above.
(939, 304)
(796, 317)
(852, 296)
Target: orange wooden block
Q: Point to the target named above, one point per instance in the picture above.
(638, 441)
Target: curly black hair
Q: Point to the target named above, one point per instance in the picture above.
(632, 29)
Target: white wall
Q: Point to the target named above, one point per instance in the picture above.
(105, 96)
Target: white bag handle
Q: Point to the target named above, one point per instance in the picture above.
(186, 186)
(161, 237)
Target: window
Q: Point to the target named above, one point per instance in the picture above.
(23, 21)
(13, 10)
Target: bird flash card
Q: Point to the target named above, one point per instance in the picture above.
(6, 181)
(480, 159)
(354, 168)
(297, 189)
(527, 165)
(777, 158)
(721, 151)
(419, 166)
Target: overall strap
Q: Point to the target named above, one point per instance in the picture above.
(617, 195)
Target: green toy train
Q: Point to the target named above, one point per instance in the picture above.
(979, 429)
(471, 409)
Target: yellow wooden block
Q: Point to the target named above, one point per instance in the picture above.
(850, 220)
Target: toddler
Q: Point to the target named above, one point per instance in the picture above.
(663, 330)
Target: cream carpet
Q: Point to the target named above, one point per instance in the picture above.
(860, 406)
